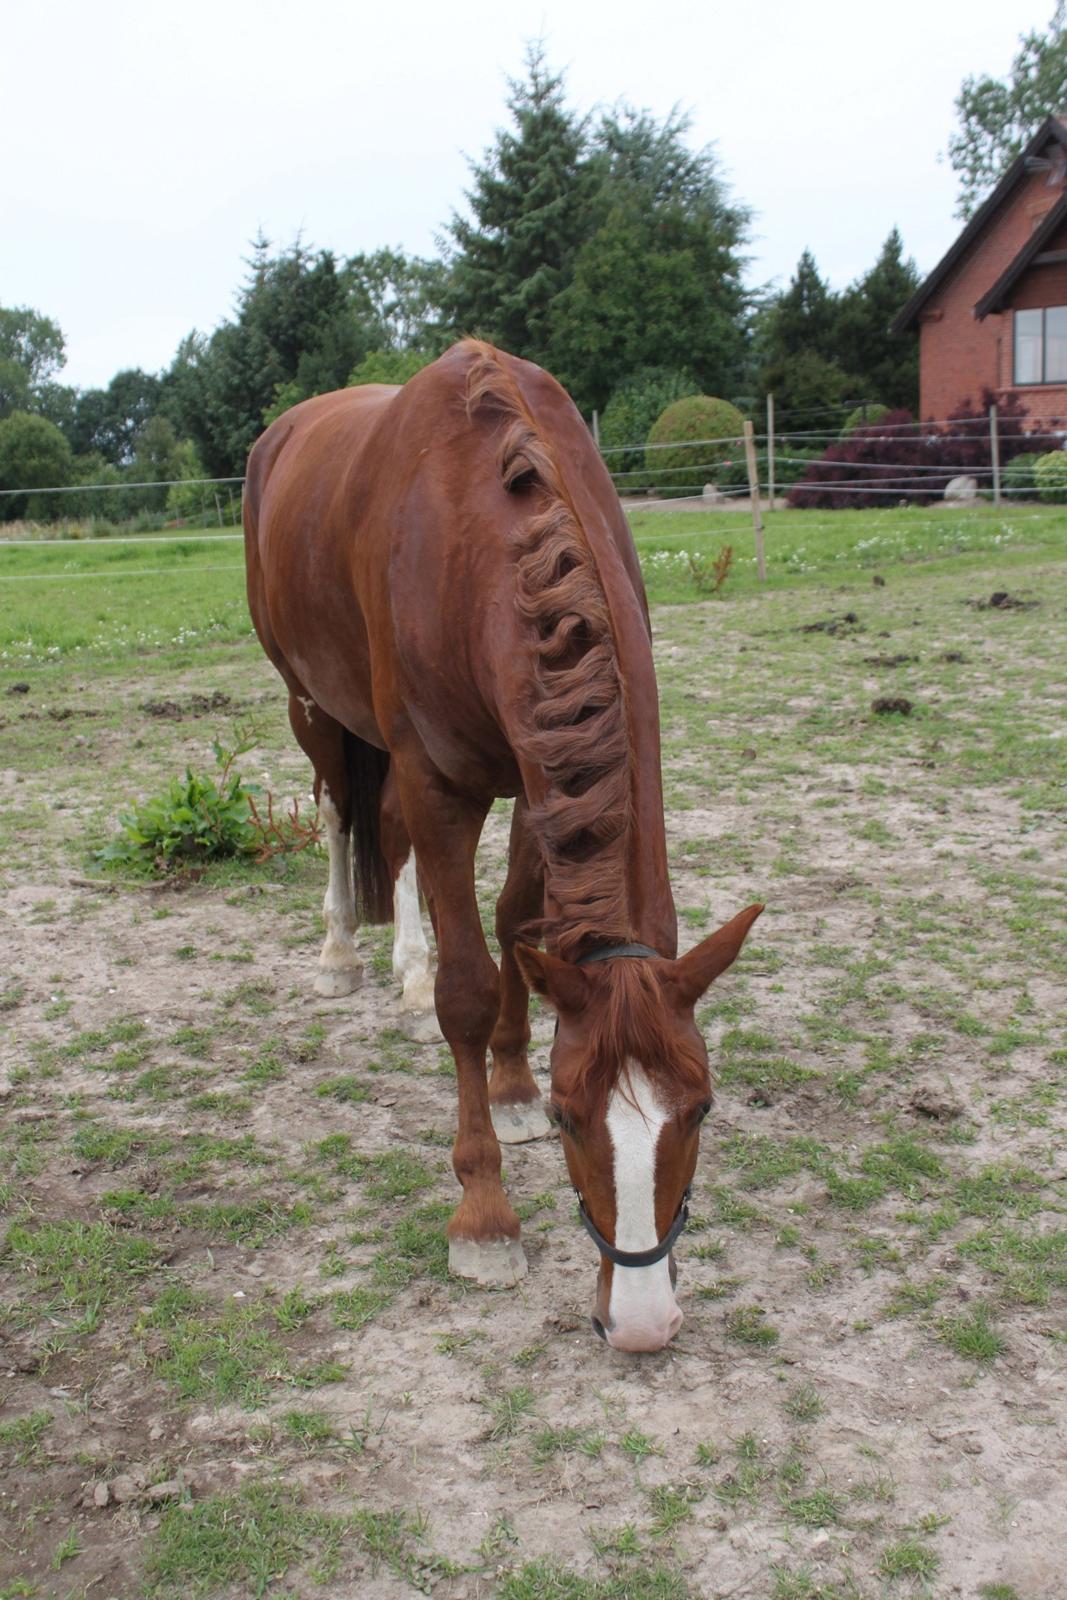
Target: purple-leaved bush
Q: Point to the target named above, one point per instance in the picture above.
(899, 459)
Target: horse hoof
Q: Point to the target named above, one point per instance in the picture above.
(418, 997)
(420, 1027)
(495, 1263)
(520, 1121)
(333, 982)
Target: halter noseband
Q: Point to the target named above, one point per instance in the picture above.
(630, 1258)
(635, 1258)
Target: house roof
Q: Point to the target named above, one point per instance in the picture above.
(1053, 128)
(996, 297)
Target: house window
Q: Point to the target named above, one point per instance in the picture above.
(1041, 345)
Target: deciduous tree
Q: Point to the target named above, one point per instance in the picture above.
(32, 351)
(997, 116)
(33, 455)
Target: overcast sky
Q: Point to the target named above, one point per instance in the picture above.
(145, 143)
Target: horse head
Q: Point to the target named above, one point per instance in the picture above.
(631, 1086)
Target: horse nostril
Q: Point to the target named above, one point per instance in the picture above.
(599, 1329)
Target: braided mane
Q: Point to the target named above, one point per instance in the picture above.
(574, 725)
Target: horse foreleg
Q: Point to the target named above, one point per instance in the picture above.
(483, 1233)
(514, 1098)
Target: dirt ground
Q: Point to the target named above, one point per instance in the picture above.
(232, 1362)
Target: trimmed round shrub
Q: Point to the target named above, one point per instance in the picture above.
(863, 417)
(629, 414)
(1050, 477)
(685, 469)
(1017, 479)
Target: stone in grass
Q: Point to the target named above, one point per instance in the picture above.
(935, 1100)
(888, 705)
(131, 1486)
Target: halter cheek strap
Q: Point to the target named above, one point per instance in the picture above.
(636, 1258)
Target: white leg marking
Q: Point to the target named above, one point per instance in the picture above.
(411, 953)
(340, 969)
(642, 1308)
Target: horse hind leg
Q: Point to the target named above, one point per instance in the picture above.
(340, 969)
(411, 952)
(322, 739)
(514, 1099)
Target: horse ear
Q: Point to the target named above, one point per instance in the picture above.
(564, 986)
(692, 973)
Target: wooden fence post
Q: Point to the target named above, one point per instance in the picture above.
(596, 429)
(770, 452)
(753, 489)
(994, 450)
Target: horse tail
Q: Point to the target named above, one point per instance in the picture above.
(367, 767)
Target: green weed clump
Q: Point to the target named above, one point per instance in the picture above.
(196, 819)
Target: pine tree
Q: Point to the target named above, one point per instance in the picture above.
(658, 284)
(530, 211)
(886, 364)
(801, 319)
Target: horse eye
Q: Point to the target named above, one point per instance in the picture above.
(703, 1110)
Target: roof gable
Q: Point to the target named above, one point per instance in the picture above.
(1052, 129)
(994, 300)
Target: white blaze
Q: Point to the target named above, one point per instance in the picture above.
(641, 1297)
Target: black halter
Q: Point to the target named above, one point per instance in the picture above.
(629, 1258)
(635, 1258)
(612, 952)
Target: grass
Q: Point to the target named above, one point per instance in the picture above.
(507, 1410)
(908, 1558)
(20, 1440)
(749, 1325)
(260, 1535)
(551, 1580)
(803, 1404)
(224, 1353)
(78, 1267)
(971, 1335)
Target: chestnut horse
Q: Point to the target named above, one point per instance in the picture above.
(443, 576)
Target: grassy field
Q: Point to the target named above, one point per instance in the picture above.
(115, 598)
(233, 1363)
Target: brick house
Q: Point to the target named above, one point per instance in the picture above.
(993, 313)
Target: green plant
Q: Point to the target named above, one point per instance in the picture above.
(749, 1325)
(864, 417)
(709, 577)
(971, 1335)
(1050, 477)
(389, 366)
(629, 415)
(1017, 480)
(196, 819)
(682, 452)
(907, 1558)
